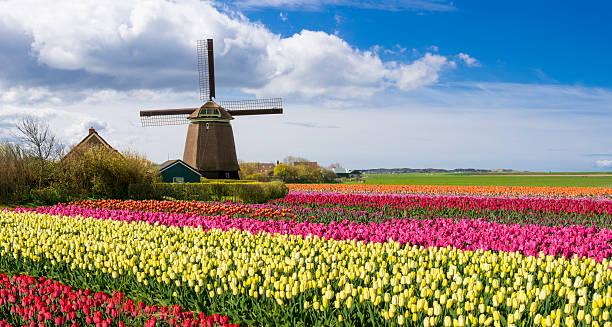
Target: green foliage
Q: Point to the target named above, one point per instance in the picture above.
(289, 173)
(248, 192)
(104, 173)
(46, 195)
(227, 181)
(94, 173)
(254, 171)
(286, 173)
(259, 192)
(17, 173)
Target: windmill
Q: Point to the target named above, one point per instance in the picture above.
(209, 146)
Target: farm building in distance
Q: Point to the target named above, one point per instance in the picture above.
(342, 172)
(178, 171)
(263, 167)
(93, 139)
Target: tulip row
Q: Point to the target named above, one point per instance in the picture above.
(544, 211)
(231, 209)
(456, 189)
(293, 280)
(25, 300)
(467, 234)
(437, 202)
(328, 207)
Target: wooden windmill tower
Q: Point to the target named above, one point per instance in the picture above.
(209, 146)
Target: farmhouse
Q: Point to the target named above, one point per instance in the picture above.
(178, 171)
(263, 167)
(341, 172)
(93, 139)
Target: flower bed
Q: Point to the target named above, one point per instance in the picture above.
(456, 189)
(26, 300)
(266, 278)
(466, 234)
(329, 207)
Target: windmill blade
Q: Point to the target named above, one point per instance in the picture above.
(206, 69)
(163, 117)
(253, 107)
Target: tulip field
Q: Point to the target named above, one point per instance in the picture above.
(324, 255)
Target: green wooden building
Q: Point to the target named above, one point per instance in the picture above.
(177, 171)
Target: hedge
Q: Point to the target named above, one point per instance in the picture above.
(248, 192)
(227, 181)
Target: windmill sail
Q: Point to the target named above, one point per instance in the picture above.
(253, 107)
(163, 117)
(206, 69)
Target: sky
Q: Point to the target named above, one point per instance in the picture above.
(402, 83)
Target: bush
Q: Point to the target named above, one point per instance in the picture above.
(17, 174)
(227, 181)
(96, 172)
(249, 192)
(104, 173)
(303, 174)
(47, 196)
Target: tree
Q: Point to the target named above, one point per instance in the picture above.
(100, 172)
(291, 160)
(39, 142)
(303, 174)
(286, 173)
(16, 177)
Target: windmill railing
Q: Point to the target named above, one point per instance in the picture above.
(250, 112)
(167, 112)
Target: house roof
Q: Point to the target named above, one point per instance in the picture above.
(169, 163)
(92, 139)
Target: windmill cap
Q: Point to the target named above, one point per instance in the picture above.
(211, 108)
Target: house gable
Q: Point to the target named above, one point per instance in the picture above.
(173, 171)
(93, 139)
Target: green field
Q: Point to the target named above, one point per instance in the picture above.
(529, 179)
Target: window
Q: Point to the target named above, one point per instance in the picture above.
(209, 112)
(178, 179)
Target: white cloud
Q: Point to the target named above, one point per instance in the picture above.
(338, 19)
(433, 48)
(468, 60)
(424, 71)
(603, 163)
(150, 44)
(283, 16)
(315, 64)
(71, 113)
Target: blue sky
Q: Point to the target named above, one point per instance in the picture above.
(400, 83)
(564, 42)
